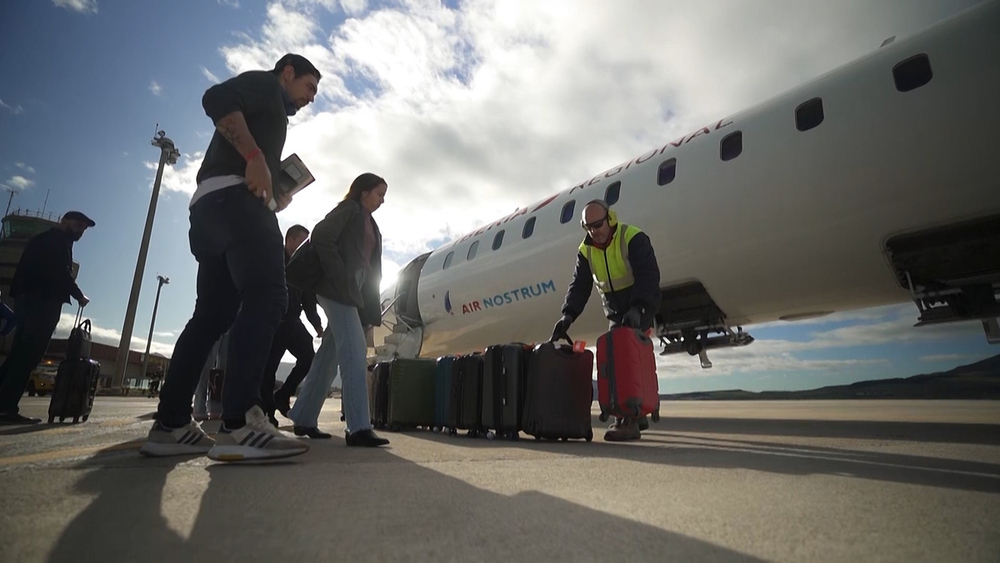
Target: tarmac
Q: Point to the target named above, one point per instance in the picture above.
(712, 481)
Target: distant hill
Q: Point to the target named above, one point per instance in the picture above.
(979, 380)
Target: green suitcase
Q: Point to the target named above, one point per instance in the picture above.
(411, 393)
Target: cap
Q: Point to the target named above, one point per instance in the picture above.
(77, 216)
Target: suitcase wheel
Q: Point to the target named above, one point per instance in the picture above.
(51, 419)
(603, 417)
(61, 419)
(394, 428)
(452, 432)
(590, 435)
(76, 419)
(656, 416)
(86, 417)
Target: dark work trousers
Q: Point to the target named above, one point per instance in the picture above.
(241, 288)
(37, 318)
(294, 337)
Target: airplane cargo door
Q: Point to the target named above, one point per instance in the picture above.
(406, 308)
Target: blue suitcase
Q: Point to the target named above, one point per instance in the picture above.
(442, 391)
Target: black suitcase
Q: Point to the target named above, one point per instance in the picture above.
(411, 393)
(378, 394)
(504, 369)
(466, 395)
(74, 391)
(79, 343)
(559, 393)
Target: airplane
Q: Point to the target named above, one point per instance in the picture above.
(877, 183)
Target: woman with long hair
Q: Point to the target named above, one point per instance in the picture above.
(349, 247)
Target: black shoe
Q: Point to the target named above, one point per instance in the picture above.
(365, 438)
(283, 404)
(15, 418)
(312, 432)
(644, 423)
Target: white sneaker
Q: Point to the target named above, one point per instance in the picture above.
(187, 440)
(258, 439)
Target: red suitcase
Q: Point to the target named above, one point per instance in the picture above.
(626, 375)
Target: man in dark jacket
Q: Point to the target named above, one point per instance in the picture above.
(620, 259)
(291, 336)
(236, 240)
(42, 283)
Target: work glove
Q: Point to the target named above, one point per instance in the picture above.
(633, 318)
(559, 331)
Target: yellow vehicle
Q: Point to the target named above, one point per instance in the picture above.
(42, 380)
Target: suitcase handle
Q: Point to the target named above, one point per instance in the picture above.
(79, 322)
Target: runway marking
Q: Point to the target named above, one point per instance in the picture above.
(70, 453)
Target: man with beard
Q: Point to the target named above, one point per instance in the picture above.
(42, 283)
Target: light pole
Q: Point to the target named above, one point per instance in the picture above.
(145, 359)
(168, 155)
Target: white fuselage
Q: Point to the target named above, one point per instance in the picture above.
(795, 225)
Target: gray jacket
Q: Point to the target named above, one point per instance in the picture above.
(338, 240)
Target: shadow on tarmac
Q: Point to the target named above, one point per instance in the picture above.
(779, 457)
(318, 507)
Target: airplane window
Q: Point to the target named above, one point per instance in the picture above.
(809, 114)
(498, 240)
(472, 250)
(667, 171)
(529, 227)
(567, 212)
(912, 73)
(447, 260)
(731, 146)
(613, 192)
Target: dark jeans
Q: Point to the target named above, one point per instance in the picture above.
(241, 288)
(37, 318)
(295, 338)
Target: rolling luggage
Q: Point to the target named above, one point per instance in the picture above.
(559, 393)
(466, 395)
(378, 394)
(411, 393)
(626, 375)
(79, 344)
(442, 391)
(74, 391)
(504, 369)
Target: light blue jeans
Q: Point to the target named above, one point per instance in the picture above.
(344, 345)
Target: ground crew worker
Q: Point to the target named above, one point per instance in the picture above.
(619, 258)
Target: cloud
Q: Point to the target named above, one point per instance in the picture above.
(15, 109)
(111, 337)
(155, 88)
(20, 182)
(25, 167)
(181, 177)
(82, 6)
(230, 3)
(208, 74)
(473, 110)
(950, 358)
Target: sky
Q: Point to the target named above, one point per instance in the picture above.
(467, 108)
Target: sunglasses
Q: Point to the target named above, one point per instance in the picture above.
(596, 224)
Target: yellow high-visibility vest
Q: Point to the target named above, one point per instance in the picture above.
(611, 269)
